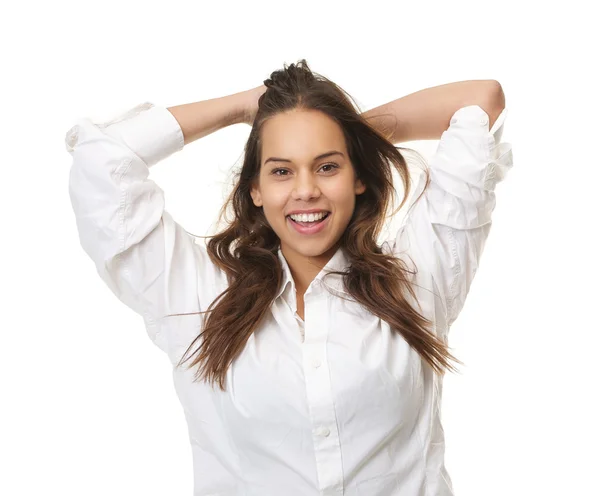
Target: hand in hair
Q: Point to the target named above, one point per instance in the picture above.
(251, 106)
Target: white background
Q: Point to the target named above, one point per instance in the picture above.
(88, 406)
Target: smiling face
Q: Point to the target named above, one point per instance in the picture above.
(295, 174)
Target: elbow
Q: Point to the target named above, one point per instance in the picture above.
(495, 94)
(494, 100)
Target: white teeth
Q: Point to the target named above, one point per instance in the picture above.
(308, 217)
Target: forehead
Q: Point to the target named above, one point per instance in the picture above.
(301, 135)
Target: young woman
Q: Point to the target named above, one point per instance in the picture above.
(328, 348)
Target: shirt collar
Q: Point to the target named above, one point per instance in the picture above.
(339, 261)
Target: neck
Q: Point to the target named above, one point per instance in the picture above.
(305, 268)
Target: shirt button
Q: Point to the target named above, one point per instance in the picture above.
(324, 431)
(316, 363)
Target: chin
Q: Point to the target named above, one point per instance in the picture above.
(308, 248)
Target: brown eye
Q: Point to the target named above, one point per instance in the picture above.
(331, 164)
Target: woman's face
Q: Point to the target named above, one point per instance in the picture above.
(293, 177)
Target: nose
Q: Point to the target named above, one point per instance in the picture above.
(305, 186)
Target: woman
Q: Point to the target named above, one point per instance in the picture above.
(329, 348)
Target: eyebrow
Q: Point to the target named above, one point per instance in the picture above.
(318, 157)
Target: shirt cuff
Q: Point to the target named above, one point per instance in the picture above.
(150, 131)
(470, 161)
(470, 154)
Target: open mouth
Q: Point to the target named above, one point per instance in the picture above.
(310, 227)
(309, 224)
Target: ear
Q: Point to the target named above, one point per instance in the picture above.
(359, 187)
(256, 196)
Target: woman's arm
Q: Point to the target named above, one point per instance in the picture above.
(202, 118)
(426, 114)
(144, 256)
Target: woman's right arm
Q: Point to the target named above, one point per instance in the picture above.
(146, 259)
(199, 119)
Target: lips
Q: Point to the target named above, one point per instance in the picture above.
(312, 229)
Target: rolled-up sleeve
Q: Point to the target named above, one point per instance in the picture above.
(147, 260)
(446, 229)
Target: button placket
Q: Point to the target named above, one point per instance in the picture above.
(326, 440)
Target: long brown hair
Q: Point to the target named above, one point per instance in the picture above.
(247, 249)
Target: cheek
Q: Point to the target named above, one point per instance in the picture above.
(341, 195)
(274, 201)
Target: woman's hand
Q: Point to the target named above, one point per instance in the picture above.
(251, 105)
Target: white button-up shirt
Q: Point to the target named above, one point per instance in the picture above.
(337, 404)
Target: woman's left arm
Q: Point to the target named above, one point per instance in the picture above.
(425, 114)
